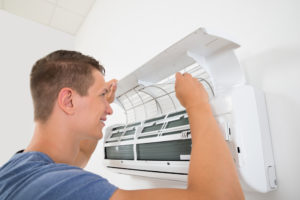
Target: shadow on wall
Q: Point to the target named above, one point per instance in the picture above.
(277, 73)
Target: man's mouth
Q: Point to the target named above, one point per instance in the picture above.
(102, 121)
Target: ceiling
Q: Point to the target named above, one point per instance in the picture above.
(63, 15)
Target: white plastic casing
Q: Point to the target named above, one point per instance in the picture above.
(243, 108)
(239, 108)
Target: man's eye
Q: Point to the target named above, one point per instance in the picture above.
(104, 93)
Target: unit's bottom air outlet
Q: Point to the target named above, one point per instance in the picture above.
(142, 170)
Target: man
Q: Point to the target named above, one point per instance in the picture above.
(71, 102)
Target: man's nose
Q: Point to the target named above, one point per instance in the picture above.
(109, 110)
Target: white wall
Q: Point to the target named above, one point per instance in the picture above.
(125, 34)
(22, 42)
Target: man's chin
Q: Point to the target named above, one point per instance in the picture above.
(99, 136)
(95, 136)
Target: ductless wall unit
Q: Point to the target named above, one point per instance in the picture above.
(155, 140)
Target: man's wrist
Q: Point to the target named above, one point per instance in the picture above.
(203, 106)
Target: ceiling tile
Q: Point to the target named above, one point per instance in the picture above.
(37, 10)
(66, 21)
(79, 6)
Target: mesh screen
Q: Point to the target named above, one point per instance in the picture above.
(145, 102)
(123, 152)
(164, 151)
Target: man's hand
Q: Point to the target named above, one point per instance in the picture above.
(112, 87)
(189, 91)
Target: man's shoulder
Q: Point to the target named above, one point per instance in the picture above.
(38, 165)
(36, 175)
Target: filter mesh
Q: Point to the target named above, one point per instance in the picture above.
(145, 102)
(164, 151)
(123, 152)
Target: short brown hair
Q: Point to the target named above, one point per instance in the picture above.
(57, 70)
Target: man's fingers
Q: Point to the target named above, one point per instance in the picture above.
(112, 83)
(112, 87)
(184, 75)
(187, 75)
(178, 75)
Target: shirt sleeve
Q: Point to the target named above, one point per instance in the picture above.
(72, 184)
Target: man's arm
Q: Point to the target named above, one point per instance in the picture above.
(212, 174)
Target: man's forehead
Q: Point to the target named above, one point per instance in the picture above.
(98, 76)
(99, 82)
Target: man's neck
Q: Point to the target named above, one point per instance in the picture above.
(56, 141)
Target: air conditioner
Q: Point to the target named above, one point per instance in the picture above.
(155, 140)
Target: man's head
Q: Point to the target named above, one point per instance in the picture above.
(58, 70)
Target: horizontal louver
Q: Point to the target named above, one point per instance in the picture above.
(152, 128)
(177, 113)
(180, 122)
(116, 134)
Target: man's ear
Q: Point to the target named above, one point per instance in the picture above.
(65, 100)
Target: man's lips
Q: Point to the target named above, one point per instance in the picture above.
(102, 120)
